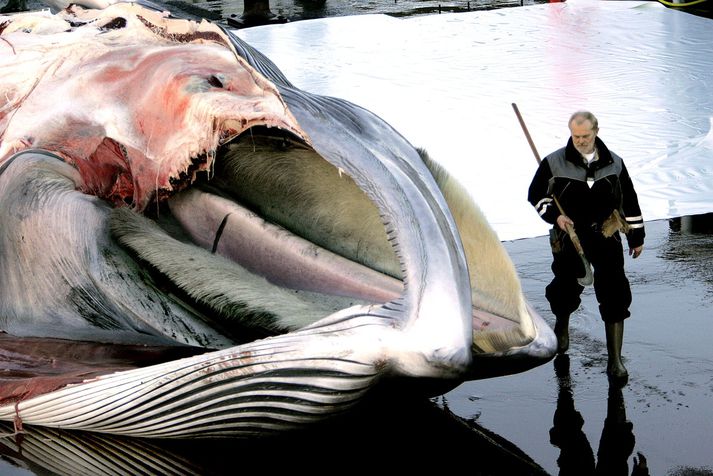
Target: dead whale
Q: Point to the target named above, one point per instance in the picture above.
(163, 186)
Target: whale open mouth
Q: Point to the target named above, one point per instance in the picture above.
(272, 237)
(284, 238)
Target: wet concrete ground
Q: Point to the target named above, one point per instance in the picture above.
(281, 11)
(557, 415)
(295, 10)
(560, 418)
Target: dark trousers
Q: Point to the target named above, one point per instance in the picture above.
(606, 255)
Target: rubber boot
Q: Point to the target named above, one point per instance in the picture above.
(615, 367)
(562, 333)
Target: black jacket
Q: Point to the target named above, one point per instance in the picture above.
(565, 174)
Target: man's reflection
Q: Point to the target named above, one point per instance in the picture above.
(615, 445)
(576, 456)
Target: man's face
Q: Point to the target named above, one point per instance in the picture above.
(583, 136)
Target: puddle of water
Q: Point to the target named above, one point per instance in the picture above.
(669, 397)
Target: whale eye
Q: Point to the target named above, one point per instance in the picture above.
(215, 81)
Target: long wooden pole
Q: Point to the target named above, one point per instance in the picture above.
(588, 277)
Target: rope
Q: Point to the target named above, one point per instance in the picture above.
(687, 4)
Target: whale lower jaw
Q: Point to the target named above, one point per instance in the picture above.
(273, 385)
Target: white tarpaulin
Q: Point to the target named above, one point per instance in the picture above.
(447, 83)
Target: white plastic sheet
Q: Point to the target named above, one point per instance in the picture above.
(447, 83)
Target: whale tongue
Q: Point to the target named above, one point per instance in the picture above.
(271, 251)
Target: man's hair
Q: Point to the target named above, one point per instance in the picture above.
(581, 116)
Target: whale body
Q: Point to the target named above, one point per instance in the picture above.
(192, 246)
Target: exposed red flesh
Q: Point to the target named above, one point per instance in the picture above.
(139, 110)
(31, 366)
